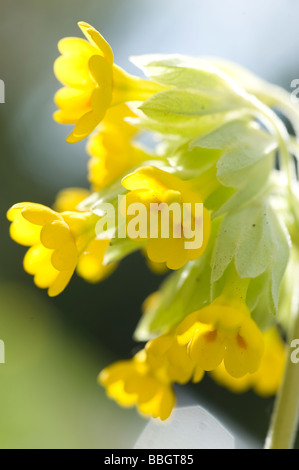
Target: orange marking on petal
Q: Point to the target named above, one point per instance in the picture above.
(211, 336)
(241, 342)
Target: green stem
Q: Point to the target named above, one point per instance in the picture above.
(283, 427)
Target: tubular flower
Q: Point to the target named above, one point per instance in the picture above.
(92, 82)
(223, 331)
(59, 242)
(135, 383)
(267, 379)
(166, 199)
(111, 149)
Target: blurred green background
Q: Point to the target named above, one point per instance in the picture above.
(49, 397)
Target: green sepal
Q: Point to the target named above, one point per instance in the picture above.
(257, 241)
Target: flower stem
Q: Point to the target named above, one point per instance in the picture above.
(283, 427)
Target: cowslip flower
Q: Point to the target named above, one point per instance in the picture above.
(165, 352)
(59, 243)
(111, 149)
(267, 379)
(157, 190)
(223, 331)
(134, 383)
(146, 380)
(92, 82)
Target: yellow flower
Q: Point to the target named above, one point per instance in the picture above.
(146, 381)
(59, 242)
(165, 353)
(111, 149)
(223, 331)
(69, 199)
(157, 190)
(92, 82)
(135, 383)
(267, 379)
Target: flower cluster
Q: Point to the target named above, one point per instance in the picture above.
(212, 178)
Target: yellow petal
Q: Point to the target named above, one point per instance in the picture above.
(207, 350)
(65, 257)
(115, 118)
(97, 173)
(37, 262)
(116, 371)
(36, 257)
(161, 405)
(45, 276)
(71, 68)
(55, 234)
(116, 391)
(23, 232)
(177, 254)
(197, 374)
(69, 199)
(159, 346)
(244, 350)
(100, 100)
(236, 359)
(60, 283)
(167, 403)
(90, 263)
(189, 327)
(39, 214)
(158, 250)
(15, 210)
(96, 39)
(151, 178)
(236, 385)
(145, 387)
(73, 104)
(101, 71)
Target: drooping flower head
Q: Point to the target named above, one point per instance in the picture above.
(146, 381)
(135, 383)
(223, 331)
(92, 82)
(165, 199)
(59, 243)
